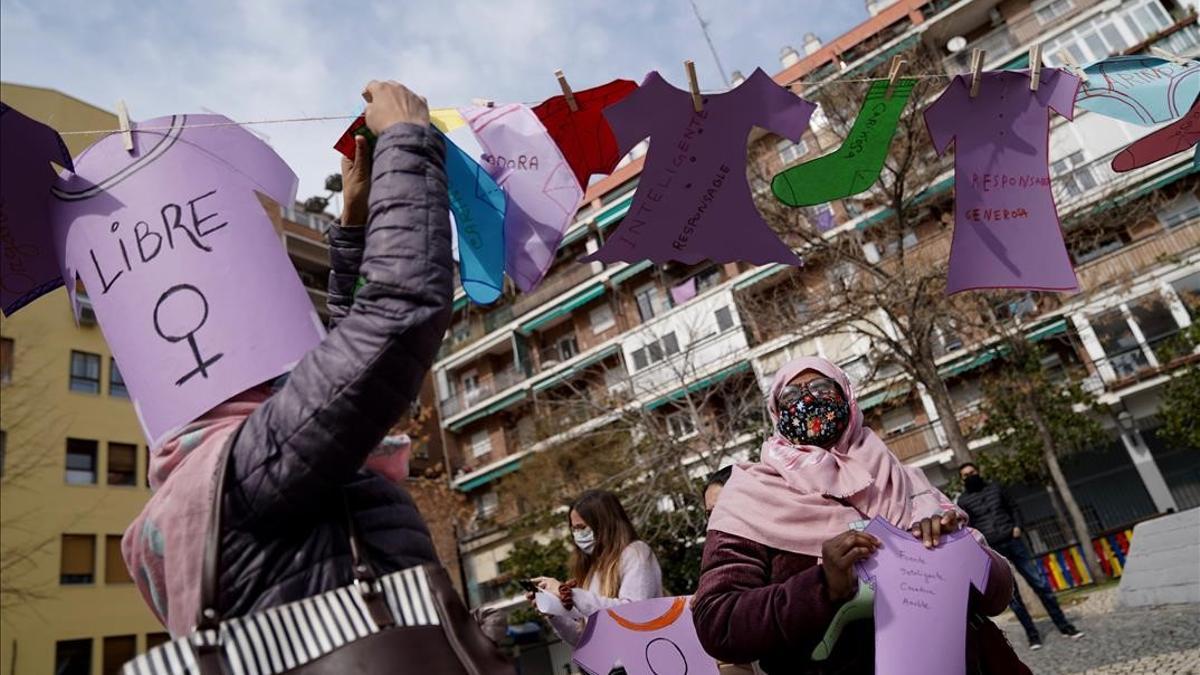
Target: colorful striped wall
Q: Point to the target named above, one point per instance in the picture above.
(1065, 568)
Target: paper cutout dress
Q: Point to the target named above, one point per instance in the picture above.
(1141, 90)
(853, 167)
(1178, 136)
(28, 266)
(1006, 227)
(478, 205)
(542, 191)
(650, 637)
(583, 135)
(693, 202)
(921, 592)
(190, 282)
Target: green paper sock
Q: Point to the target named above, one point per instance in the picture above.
(861, 606)
(855, 166)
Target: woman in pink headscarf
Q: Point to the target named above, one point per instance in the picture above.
(779, 557)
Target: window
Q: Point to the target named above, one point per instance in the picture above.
(655, 350)
(759, 186)
(118, 649)
(680, 425)
(602, 319)
(6, 360)
(724, 319)
(614, 378)
(470, 386)
(1118, 342)
(966, 393)
(898, 420)
(81, 461)
(115, 571)
(789, 151)
(1047, 12)
(78, 563)
(1108, 34)
(568, 347)
(856, 369)
(481, 444)
(73, 657)
(639, 359)
(116, 383)
(155, 639)
(707, 279)
(85, 372)
(486, 504)
(122, 464)
(1073, 174)
(670, 344)
(1184, 208)
(906, 241)
(648, 302)
(460, 332)
(1154, 320)
(1188, 289)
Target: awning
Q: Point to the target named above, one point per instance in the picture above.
(630, 271)
(460, 302)
(762, 273)
(1048, 331)
(709, 381)
(615, 211)
(493, 408)
(567, 374)
(931, 191)
(563, 308)
(1056, 327)
(883, 57)
(574, 235)
(878, 397)
(491, 475)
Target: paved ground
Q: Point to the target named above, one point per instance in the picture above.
(1152, 641)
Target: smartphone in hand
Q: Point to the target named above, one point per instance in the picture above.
(528, 585)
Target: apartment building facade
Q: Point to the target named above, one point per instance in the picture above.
(73, 460)
(640, 334)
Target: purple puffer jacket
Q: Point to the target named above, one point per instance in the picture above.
(296, 465)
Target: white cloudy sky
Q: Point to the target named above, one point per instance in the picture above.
(266, 59)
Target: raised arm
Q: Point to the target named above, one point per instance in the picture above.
(342, 397)
(346, 240)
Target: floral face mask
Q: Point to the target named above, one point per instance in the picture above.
(815, 413)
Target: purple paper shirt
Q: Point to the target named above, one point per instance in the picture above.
(542, 191)
(650, 637)
(693, 202)
(190, 282)
(1006, 228)
(921, 593)
(28, 268)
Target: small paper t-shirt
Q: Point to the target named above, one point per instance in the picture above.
(542, 191)
(583, 134)
(693, 202)
(921, 592)
(650, 637)
(190, 282)
(478, 205)
(1006, 227)
(1141, 90)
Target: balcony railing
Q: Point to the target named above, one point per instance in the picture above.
(466, 399)
(913, 443)
(558, 282)
(1138, 256)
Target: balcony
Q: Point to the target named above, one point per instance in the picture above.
(1137, 257)
(563, 349)
(914, 443)
(568, 276)
(464, 400)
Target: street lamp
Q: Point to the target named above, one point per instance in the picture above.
(1125, 421)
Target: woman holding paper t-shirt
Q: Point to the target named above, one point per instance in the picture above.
(609, 564)
(779, 557)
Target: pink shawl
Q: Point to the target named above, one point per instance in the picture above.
(799, 496)
(164, 546)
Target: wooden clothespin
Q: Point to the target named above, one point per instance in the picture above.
(126, 131)
(977, 57)
(1174, 58)
(1035, 66)
(894, 74)
(566, 89)
(483, 103)
(695, 86)
(1070, 64)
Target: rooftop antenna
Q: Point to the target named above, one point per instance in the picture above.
(708, 39)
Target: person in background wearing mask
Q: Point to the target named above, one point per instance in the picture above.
(712, 487)
(779, 555)
(993, 513)
(609, 564)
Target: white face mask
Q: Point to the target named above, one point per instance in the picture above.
(585, 539)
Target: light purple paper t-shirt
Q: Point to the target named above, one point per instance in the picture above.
(190, 282)
(693, 202)
(651, 637)
(1006, 228)
(921, 593)
(542, 191)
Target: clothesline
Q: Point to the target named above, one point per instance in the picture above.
(331, 118)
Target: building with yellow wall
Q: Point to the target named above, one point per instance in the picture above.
(74, 460)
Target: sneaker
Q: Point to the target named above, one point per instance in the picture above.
(1073, 633)
(1034, 646)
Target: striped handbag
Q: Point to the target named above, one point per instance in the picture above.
(404, 622)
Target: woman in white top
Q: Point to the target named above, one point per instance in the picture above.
(609, 564)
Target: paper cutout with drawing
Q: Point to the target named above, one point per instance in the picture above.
(1178, 136)
(28, 266)
(649, 637)
(542, 192)
(1006, 228)
(444, 120)
(692, 202)
(478, 206)
(921, 592)
(1143, 90)
(855, 166)
(190, 282)
(583, 135)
